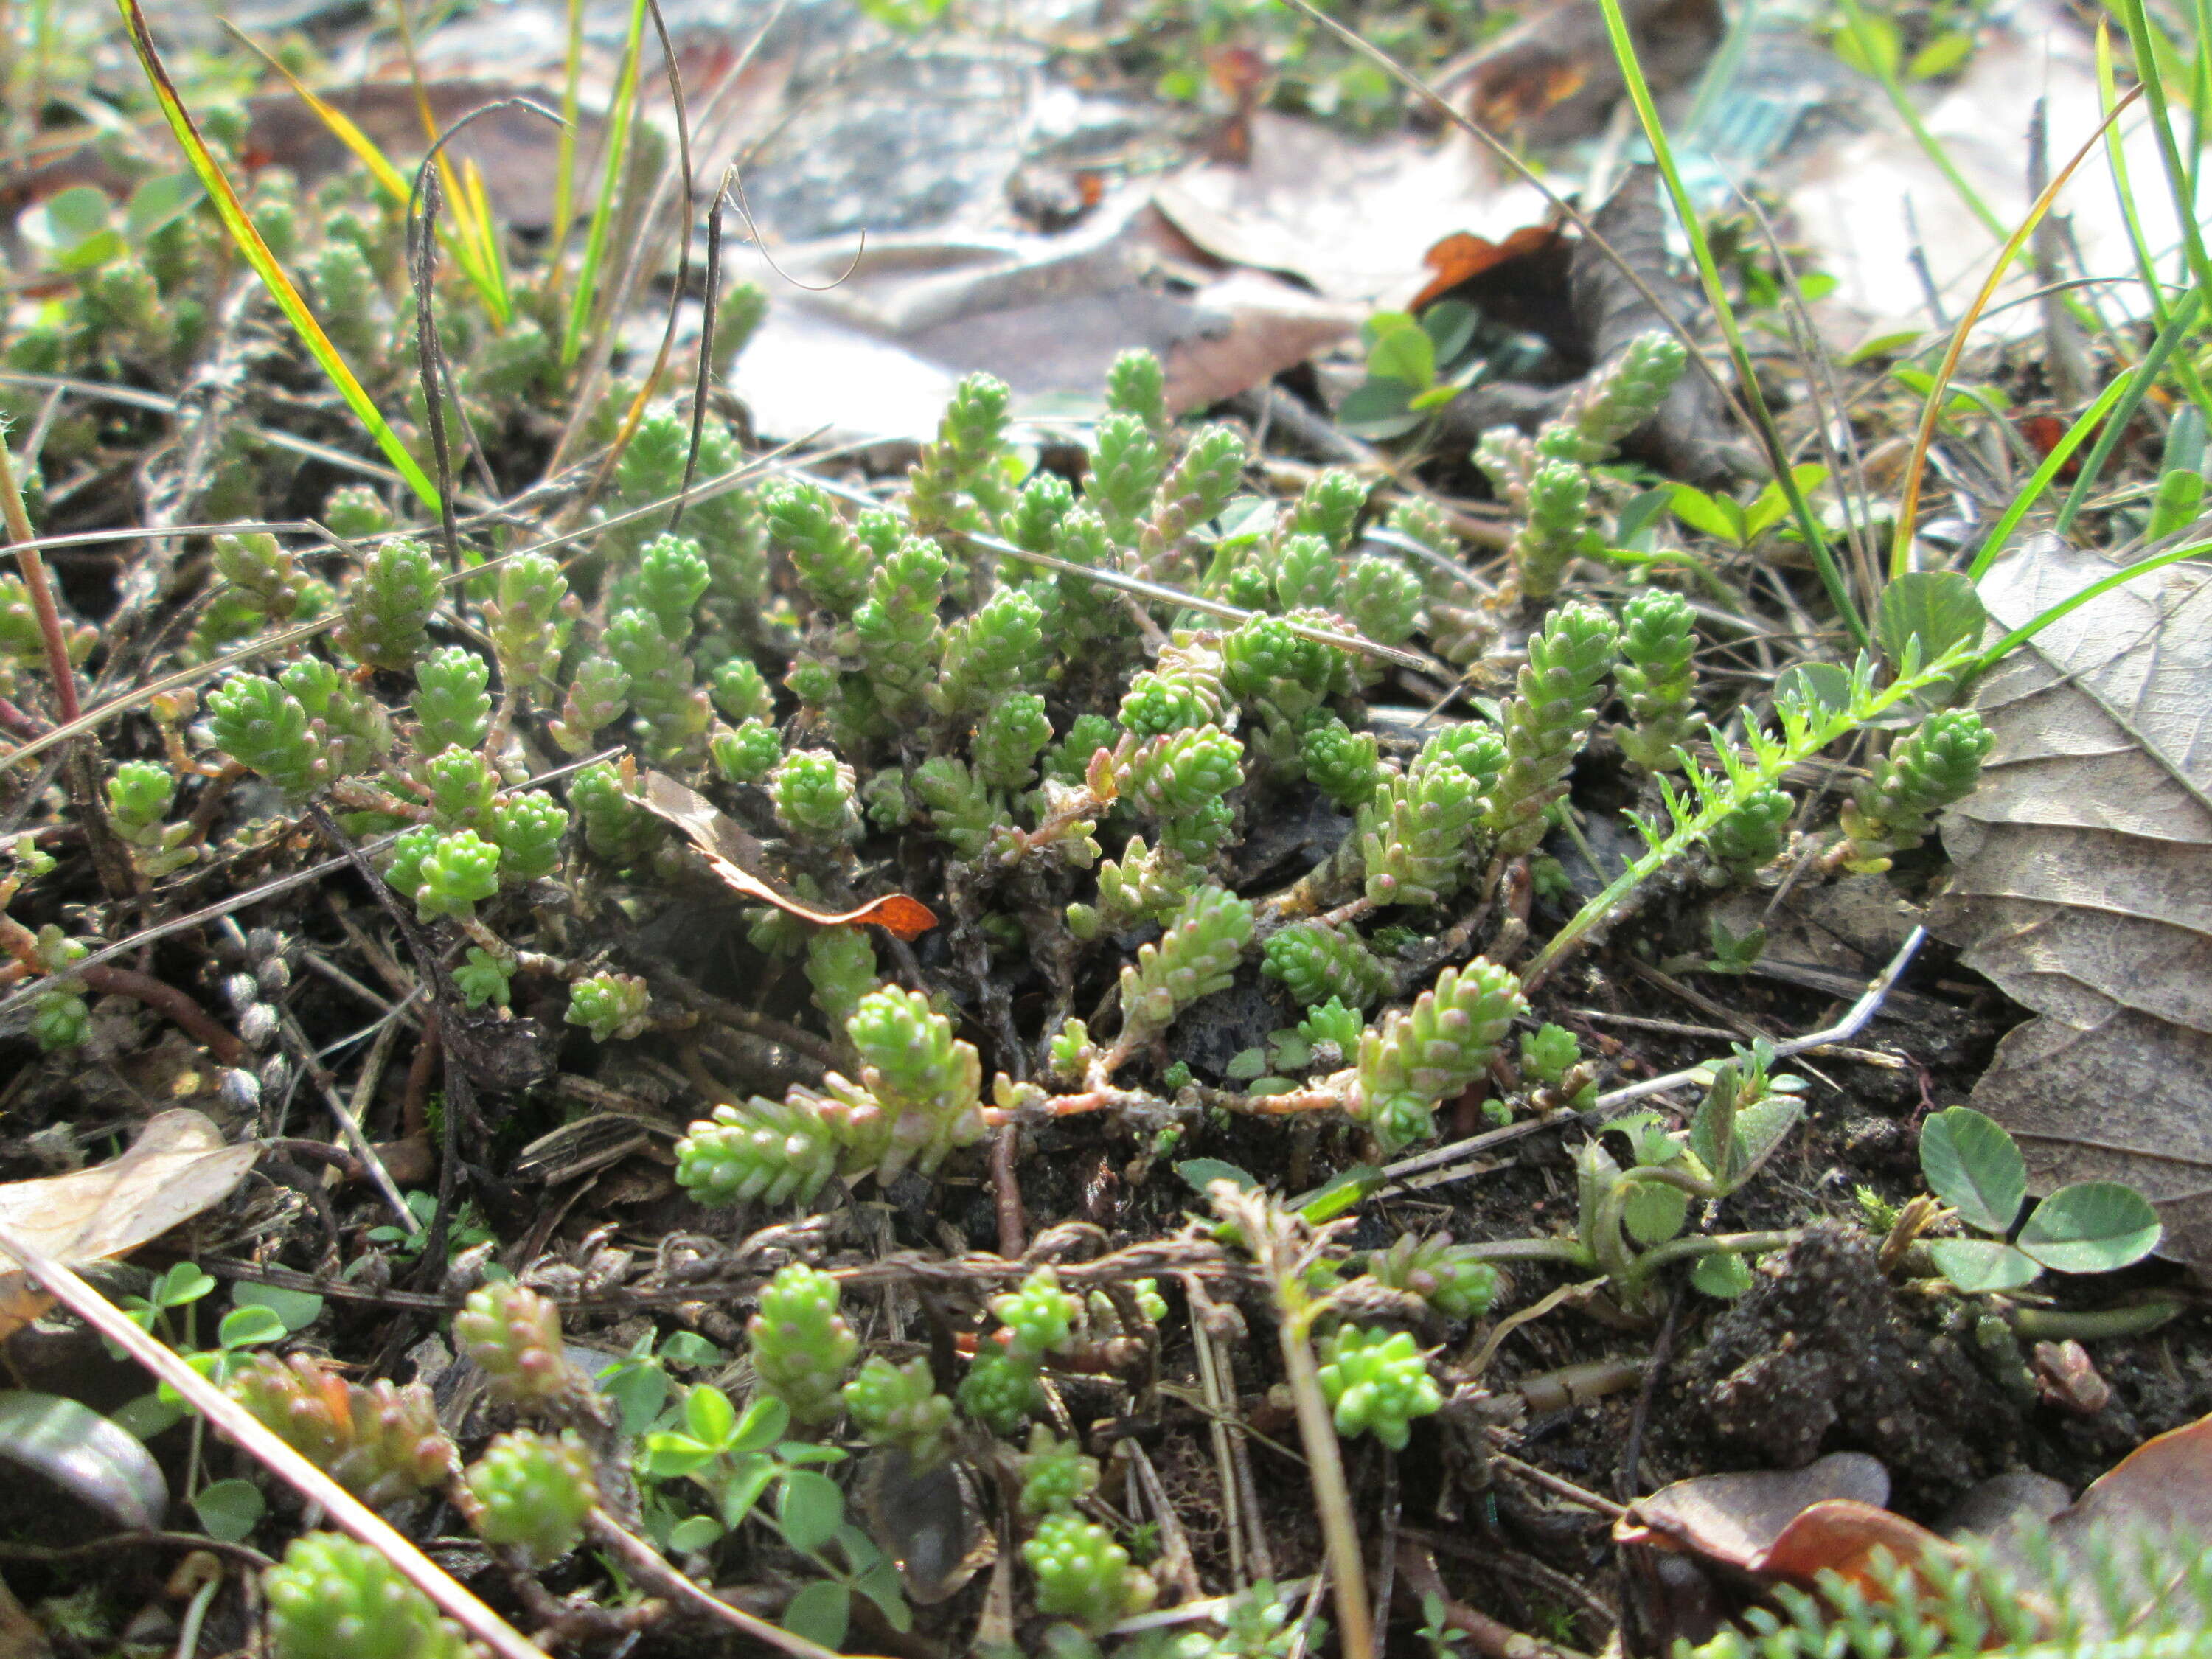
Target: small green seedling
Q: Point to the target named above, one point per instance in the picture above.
(738, 1458)
(78, 229)
(259, 1314)
(1733, 953)
(465, 1230)
(1414, 366)
(179, 1287)
(1730, 521)
(637, 1383)
(1972, 1165)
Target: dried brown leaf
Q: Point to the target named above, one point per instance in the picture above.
(2081, 886)
(179, 1166)
(735, 856)
(2161, 1491)
(1735, 1519)
(1850, 1539)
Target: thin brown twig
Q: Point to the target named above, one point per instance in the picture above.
(645, 1563)
(165, 999)
(1491, 1638)
(1854, 1020)
(112, 1542)
(1560, 1486)
(21, 536)
(259, 1442)
(1007, 1191)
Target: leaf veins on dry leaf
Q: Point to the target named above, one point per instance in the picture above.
(2083, 885)
(179, 1166)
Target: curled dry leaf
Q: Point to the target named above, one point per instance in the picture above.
(83, 1475)
(1735, 1519)
(735, 856)
(1689, 437)
(2080, 885)
(1794, 1525)
(2162, 1489)
(179, 1166)
(929, 1521)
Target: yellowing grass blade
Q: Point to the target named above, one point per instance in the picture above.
(471, 233)
(480, 206)
(617, 151)
(340, 125)
(240, 227)
(389, 179)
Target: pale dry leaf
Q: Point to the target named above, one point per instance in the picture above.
(2083, 881)
(2162, 1492)
(1856, 170)
(1351, 216)
(1735, 1519)
(179, 1166)
(735, 857)
(907, 316)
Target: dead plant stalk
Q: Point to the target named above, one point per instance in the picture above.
(247, 1432)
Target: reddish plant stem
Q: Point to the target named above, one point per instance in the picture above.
(414, 1105)
(165, 999)
(21, 536)
(1006, 1189)
(18, 724)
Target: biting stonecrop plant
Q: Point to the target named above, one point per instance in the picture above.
(935, 678)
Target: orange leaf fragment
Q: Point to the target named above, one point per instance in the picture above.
(1841, 1535)
(735, 856)
(1463, 256)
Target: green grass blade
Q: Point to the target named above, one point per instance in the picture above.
(2200, 92)
(617, 129)
(2138, 384)
(2116, 161)
(1816, 541)
(2153, 80)
(2032, 492)
(240, 227)
(1855, 19)
(1908, 506)
(564, 166)
(342, 127)
(2027, 630)
(470, 237)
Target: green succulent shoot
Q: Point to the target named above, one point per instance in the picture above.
(1548, 721)
(1317, 963)
(801, 1347)
(1657, 678)
(332, 1598)
(1432, 1051)
(1450, 1277)
(1195, 956)
(514, 1335)
(1377, 1383)
(917, 1101)
(1083, 1575)
(532, 1492)
(613, 1007)
(1936, 766)
(899, 1405)
(1056, 1475)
